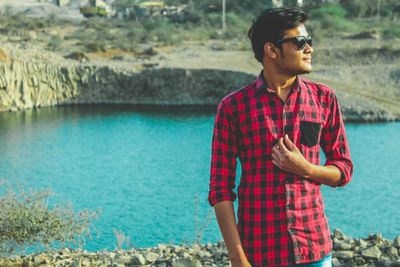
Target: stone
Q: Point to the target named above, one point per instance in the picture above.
(377, 237)
(138, 259)
(163, 264)
(344, 255)
(187, 263)
(151, 257)
(337, 233)
(358, 260)
(85, 262)
(396, 241)
(162, 247)
(221, 243)
(395, 263)
(341, 245)
(41, 258)
(392, 251)
(336, 262)
(372, 253)
(183, 254)
(204, 254)
(65, 251)
(363, 243)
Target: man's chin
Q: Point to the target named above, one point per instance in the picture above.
(306, 70)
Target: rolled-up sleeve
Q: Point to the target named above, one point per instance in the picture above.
(334, 143)
(223, 157)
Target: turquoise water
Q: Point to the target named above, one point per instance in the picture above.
(148, 170)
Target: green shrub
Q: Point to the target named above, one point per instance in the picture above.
(337, 25)
(94, 46)
(328, 10)
(26, 220)
(391, 32)
(166, 33)
(97, 23)
(236, 27)
(330, 19)
(54, 43)
(198, 33)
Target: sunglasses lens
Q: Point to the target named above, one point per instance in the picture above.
(302, 41)
(309, 40)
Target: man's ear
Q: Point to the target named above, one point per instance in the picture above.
(271, 50)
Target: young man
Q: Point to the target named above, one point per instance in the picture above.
(276, 126)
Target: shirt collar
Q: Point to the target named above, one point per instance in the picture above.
(262, 86)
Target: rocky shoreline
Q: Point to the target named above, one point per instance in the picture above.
(371, 251)
(28, 82)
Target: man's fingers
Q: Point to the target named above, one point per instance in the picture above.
(289, 142)
(277, 150)
(283, 146)
(275, 157)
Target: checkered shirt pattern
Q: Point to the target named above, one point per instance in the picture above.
(281, 217)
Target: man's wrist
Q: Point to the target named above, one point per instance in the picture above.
(309, 170)
(237, 256)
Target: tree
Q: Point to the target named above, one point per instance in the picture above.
(27, 220)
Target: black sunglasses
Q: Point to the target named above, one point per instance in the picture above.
(299, 41)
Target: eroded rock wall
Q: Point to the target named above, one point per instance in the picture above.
(30, 84)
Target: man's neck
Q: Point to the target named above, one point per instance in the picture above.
(281, 84)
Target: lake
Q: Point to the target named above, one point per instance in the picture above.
(147, 169)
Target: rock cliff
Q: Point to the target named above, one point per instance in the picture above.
(26, 83)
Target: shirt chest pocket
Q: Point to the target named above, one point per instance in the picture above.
(310, 132)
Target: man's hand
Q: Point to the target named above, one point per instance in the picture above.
(288, 157)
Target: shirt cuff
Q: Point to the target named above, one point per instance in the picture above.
(342, 168)
(216, 196)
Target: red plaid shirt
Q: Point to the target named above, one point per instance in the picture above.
(281, 217)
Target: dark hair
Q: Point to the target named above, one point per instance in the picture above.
(271, 25)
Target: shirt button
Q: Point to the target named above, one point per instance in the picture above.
(288, 206)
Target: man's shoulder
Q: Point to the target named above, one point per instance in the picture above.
(237, 96)
(318, 88)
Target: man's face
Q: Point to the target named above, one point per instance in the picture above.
(293, 60)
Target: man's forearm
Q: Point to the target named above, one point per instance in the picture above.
(227, 223)
(329, 174)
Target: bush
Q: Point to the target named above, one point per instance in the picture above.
(93, 46)
(328, 10)
(391, 32)
(54, 43)
(166, 33)
(26, 220)
(330, 19)
(236, 27)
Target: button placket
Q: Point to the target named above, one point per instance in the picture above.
(289, 214)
